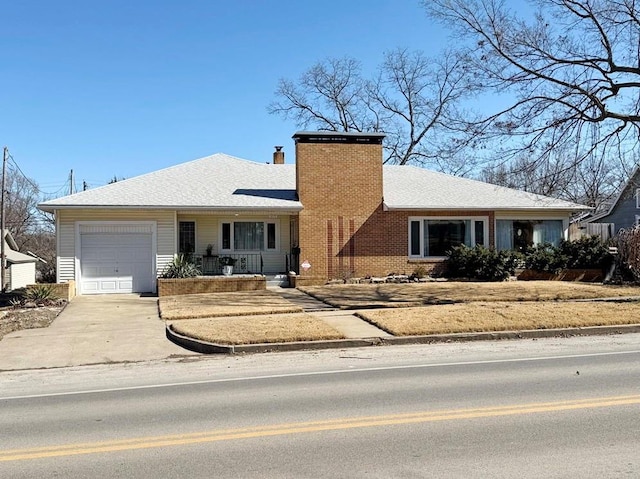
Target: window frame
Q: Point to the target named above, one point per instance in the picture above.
(195, 236)
(637, 198)
(265, 247)
(421, 220)
(525, 218)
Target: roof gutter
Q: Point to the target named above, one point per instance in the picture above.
(53, 208)
(386, 207)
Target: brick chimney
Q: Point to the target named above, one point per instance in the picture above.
(339, 183)
(278, 156)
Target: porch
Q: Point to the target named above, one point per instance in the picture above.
(244, 263)
(253, 243)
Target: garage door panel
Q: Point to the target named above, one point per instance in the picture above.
(107, 255)
(116, 263)
(89, 287)
(133, 255)
(125, 270)
(107, 286)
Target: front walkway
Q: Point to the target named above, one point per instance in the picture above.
(344, 321)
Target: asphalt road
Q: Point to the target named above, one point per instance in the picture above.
(546, 408)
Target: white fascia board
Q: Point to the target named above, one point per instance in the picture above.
(485, 208)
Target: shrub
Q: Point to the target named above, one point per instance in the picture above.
(40, 293)
(419, 272)
(35, 295)
(587, 252)
(628, 242)
(181, 267)
(544, 257)
(481, 263)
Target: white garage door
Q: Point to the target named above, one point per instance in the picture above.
(116, 263)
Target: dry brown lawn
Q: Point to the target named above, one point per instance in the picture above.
(257, 329)
(359, 296)
(478, 317)
(216, 305)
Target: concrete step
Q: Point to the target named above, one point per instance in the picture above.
(277, 280)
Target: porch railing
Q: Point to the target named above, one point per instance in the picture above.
(246, 263)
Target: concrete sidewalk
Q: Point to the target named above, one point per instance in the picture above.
(351, 326)
(91, 330)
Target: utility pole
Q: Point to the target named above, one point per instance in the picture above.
(71, 182)
(3, 262)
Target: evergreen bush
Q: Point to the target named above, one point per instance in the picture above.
(482, 264)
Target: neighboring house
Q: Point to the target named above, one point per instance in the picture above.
(21, 268)
(338, 211)
(625, 211)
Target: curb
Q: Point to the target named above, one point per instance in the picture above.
(213, 348)
(205, 347)
(524, 334)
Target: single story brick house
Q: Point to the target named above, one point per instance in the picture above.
(338, 210)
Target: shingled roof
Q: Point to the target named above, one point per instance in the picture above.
(223, 182)
(413, 188)
(215, 182)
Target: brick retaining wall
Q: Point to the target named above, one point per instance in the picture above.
(214, 284)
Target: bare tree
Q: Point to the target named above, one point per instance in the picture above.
(593, 182)
(331, 95)
(32, 229)
(21, 215)
(417, 98)
(412, 99)
(570, 74)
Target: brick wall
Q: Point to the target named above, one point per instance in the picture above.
(340, 186)
(343, 230)
(66, 290)
(214, 284)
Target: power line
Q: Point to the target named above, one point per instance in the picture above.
(22, 172)
(34, 185)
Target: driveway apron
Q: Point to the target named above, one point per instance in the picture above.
(92, 330)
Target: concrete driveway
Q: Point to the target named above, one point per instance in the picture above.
(92, 330)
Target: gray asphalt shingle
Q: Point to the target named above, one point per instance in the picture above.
(225, 182)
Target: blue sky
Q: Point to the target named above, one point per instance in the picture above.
(124, 87)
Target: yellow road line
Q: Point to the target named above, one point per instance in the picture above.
(311, 426)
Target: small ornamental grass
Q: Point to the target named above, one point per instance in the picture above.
(182, 266)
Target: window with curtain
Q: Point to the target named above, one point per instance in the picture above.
(248, 235)
(521, 234)
(504, 234)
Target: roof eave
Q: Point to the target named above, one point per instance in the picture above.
(482, 208)
(52, 208)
